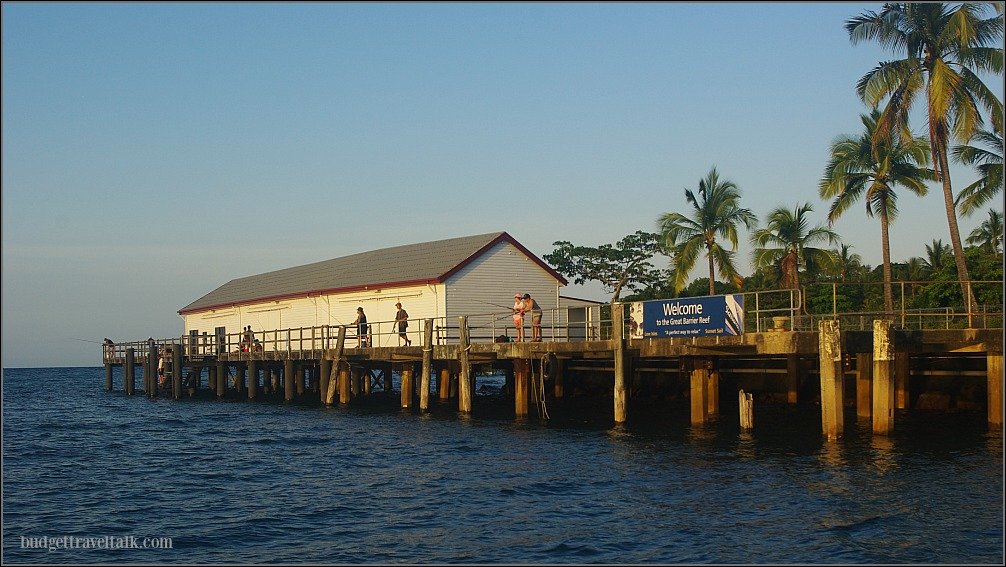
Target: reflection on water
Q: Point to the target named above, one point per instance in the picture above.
(271, 482)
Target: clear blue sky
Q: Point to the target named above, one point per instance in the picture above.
(152, 152)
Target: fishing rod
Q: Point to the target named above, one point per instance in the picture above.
(509, 307)
(87, 341)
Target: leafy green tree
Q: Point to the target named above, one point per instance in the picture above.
(716, 212)
(989, 164)
(988, 235)
(861, 168)
(626, 265)
(788, 241)
(945, 48)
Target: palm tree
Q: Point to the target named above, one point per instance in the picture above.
(861, 168)
(716, 213)
(989, 234)
(945, 47)
(936, 254)
(846, 261)
(989, 163)
(788, 231)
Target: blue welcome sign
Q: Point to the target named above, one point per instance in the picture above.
(687, 317)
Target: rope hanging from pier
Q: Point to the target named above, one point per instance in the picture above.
(538, 385)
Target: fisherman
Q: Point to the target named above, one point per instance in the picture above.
(402, 322)
(535, 309)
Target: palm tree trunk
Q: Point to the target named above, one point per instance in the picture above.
(885, 243)
(712, 289)
(955, 233)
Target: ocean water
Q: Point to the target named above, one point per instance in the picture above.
(268, 482)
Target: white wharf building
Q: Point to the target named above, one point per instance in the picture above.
(438, 280)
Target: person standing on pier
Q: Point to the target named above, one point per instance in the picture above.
(518, 316)
(402, 322)
(361, 328)
(535, 309)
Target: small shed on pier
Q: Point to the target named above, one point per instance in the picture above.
(440, 280)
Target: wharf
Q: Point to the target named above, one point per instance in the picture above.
(890, 368)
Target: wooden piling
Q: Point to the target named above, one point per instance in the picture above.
(407, 387)
(746, 403)
(355, 384)
(618, 343)
(832, 379)
(333, 381)
(994, 375)
(343, 382)
(558, 380)
(864, 382)
(252, 379)
(177, 366)
(288, 379)
(444, 383)
(465, 382)
(130, 368)
(386, 375)
(364, 374)
(424, 379)
(299, 379)
(221, 373)
(239, 380)
(150, 372)
(713, 388)
(699, 393)
(522, 386)
(108, 377)
(882, 377)
(323, 377)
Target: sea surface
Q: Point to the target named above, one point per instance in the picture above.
(269, 482)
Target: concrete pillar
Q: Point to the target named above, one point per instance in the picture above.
(793, 375)
(994, 372)
(902, 369)
(883, 377)
(864, 381)
(832, 379)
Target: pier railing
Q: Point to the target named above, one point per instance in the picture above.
(774, 310)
